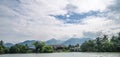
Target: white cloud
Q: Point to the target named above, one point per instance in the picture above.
(32, 20)
(90, 5)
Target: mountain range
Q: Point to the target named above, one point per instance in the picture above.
(71, 41)
(54, 42)
(29, 43)
(74, 41)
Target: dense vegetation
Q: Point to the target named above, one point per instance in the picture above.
(40, 47)
(100, 44)
(103, 44)
(2, 48)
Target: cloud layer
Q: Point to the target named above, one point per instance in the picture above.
(39, 19)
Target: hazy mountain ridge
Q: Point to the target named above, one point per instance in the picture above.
(28, 42)
(8, 44)
(53, 42)
(71, 41)
(74, 41)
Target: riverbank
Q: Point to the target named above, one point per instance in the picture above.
(64, 54)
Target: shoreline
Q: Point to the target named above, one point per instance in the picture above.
(57, 53)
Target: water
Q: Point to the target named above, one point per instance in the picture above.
(73, 54)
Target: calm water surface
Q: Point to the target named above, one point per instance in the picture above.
(73, 54)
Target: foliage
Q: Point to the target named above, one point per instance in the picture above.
(18, 49)
(2, 48)
(39, 46)
(47, 49)
(103, 44)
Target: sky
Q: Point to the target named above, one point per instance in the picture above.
(60, 19)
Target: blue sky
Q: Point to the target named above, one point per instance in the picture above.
(72, 17)
(60, 19)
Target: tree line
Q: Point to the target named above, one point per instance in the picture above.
(40, 47)
(100, 44)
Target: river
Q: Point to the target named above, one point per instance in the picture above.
(71, 54)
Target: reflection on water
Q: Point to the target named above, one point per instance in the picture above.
(73, 54)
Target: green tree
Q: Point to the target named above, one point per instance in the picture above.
(104, 44)
(15, 49)
(1, 50)
(39, 46)
(118, 42)
(98, 44)
(47, 49)
(1, 43)
(88, 46)
(19, 49)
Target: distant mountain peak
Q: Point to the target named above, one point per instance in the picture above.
(73, 41)
(8, 44)
(53, 41)
(28, 42)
